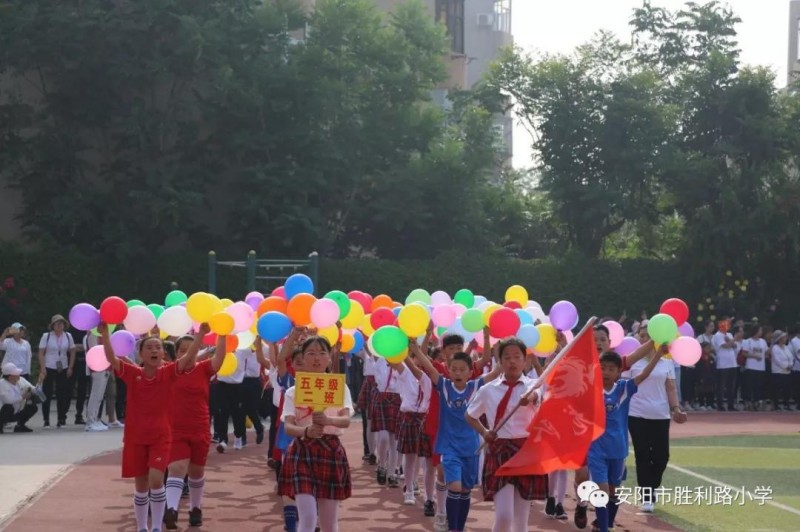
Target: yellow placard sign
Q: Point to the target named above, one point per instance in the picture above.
(319, 391)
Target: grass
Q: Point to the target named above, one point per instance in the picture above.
(739, 461)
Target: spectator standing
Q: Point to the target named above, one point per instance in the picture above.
(80, 376)
(727, 368)
(17, 349)
(56, 364)
(782, 363)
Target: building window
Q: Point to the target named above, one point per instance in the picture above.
(797, 52)
(451, 14)
(502, 16)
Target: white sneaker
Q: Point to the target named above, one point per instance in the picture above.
(440, 524)
(648, 507)
(221, 446)
(116, 424)
(408, 498)
(237, 444)
(416, 488)
(96, 427)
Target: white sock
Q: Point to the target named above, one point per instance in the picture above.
(382, 443)
(158, 501)
(410, 470)
(140, 503)
(196, 487)
(394, 456)
(441, 498)
(174, 491)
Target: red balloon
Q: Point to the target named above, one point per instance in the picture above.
(362, 299)
(113, 310)
(512, 304)
(210, 339)
(279, 292)
(381, 317)
(676, 308)
(503, 322)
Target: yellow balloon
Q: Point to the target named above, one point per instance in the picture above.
(226, 303)
(221, 323)
(355, 317)
(399, 358)
(547, 338)
(366, 326)
(163, 335)
(348, 342)
(517, 293)
(200, 307)
(229, 365)
(413, 320)
(217, 304)
(331, 334)
(489, 311)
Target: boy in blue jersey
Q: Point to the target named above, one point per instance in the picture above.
(607, 453)
(456, 440)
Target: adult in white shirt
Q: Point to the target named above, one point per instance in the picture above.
(727, 369)
(229, 394)
(17, 349)
(755, 352)
(708, 333)
(56, 363)
(15, 392)
(782, 363)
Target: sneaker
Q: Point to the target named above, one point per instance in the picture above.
(271, 463)
(196, 517)
(221, 446)
(408, 498)
(95, 427)
(381, 476)
(373, 459)
(171, 519)
(116, 425)
(237, 444)
(21, 427)
(440, 524)
(428, 509)
(365, 458)
(399, 473)
(393, 482)
(580, 518)
(47, 425)
(60, 425)
(648, 507)
(415, 488)
(550, 508)
(561, 515)
(79, 420)
(259, 436)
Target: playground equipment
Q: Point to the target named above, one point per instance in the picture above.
(268, 270)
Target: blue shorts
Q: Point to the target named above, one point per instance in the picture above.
(462, 469)
(609, 471)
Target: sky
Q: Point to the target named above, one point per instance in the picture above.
(558, 26)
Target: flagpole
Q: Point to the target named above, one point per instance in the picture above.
(545, 373)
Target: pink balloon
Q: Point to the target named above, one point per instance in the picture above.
(324, 313)
(686, 329)
(615, 333)
(459, 309)
(96, 359)
(243, 316)
(685, 350)
(440, 298)
(279, 292)
(140, 320)
(444, 315)
(628, 345)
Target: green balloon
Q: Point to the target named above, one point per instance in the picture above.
(440, 331)
(135, 303)
(156, 309)
(389, 341)
(174, 298)
(419, 296)
(662, 328)
(465, 297)
(472, 320)
(341, 299)
(111, 328)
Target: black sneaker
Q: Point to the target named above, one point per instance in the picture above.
(61, 424)
(429, 509)
(79, 420)
(580, 517)
(550, 508)
(381, 476)
(171, 519)
(47, 424)
(365, 458)
(373, 459)
(22, 428)
(561, 515)
(259, 436)
(271, 463)
(196, 517)
(393, 482)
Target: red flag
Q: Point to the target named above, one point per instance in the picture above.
(571, 416)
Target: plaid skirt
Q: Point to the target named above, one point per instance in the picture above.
(530, 487)
(316, 467)
(409, 433)
(367, 393)
(425, 447)
(385, 412)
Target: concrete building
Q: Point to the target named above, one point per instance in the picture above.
(793, 67)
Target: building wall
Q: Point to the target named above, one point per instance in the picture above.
(793, 66)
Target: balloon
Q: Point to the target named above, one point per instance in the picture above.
(324, 313)
(389, 341)
(685, 350)
(113, 310)
(440, 298)
(279, 292)
(366, 326)
(200, 306)
(615, 333)
(222, 323)
(686, 330)
(677, 309)
(359, 342)
(96, 358)
(399, 358)
(413, 320)
(123, 343)
(491, 308)
(110, 330)
(503, 323)
(512, 305)
(396, 311)
(547, 339)
(231, 343)
(443, 316)
(332, 334)
(242, 314)
(662, 328)
(140, 320)
(176, 297)
(472, 320)
(628, 345)
(298, 283)
(525, 317)
(254, 299)
(299, 309)
(222, 304)
(362, 299)
(465, 297)
(419, 295)
(84, 317)
(272, 303)
(210, 339)
(175, 321)
(274, 326)
(348, 342)
(135, 303)
(529, 335)
(156, 309)
(355, 315)
(479, 300)
(517, 294)
(380, 302)
(229, 365)
(460, 309)
(381, 318)
(246, 338)
(342, 301)
(563, 315)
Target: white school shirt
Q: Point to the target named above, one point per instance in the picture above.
(18, 353)
(386, 377)
(238, 376)
(303, 415)
(252, 368)
(726, 356)
(794, 347)
(755, 347)
(651, 401)
(11, 394)
(369, 365)
(56, 349)
(415, 395)
(781, 360)
(487, 399)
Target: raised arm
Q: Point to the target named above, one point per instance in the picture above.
(188, 360)
(648, 369)
(426, 364)
(259, 349)
(412, 367)
(637, 355)
(486, 356)
(287, 348)
(219, 354)
(105, 339)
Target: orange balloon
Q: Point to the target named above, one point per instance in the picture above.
(299, 309)
(396, 304)
(270, 304)
(231, 343)
(381, 301)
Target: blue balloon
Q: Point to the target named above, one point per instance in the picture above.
(479, 300)
(396, 311)
(529, 335)
(359, 345)
(274, 326)
(298, 283)
(524, 317)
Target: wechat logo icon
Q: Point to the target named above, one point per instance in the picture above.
(590, 492)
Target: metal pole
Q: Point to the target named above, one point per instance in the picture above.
(313, 270)
(251, 271)
(212, 272)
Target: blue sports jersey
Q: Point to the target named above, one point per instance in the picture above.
(455, 436)
(613, 443)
